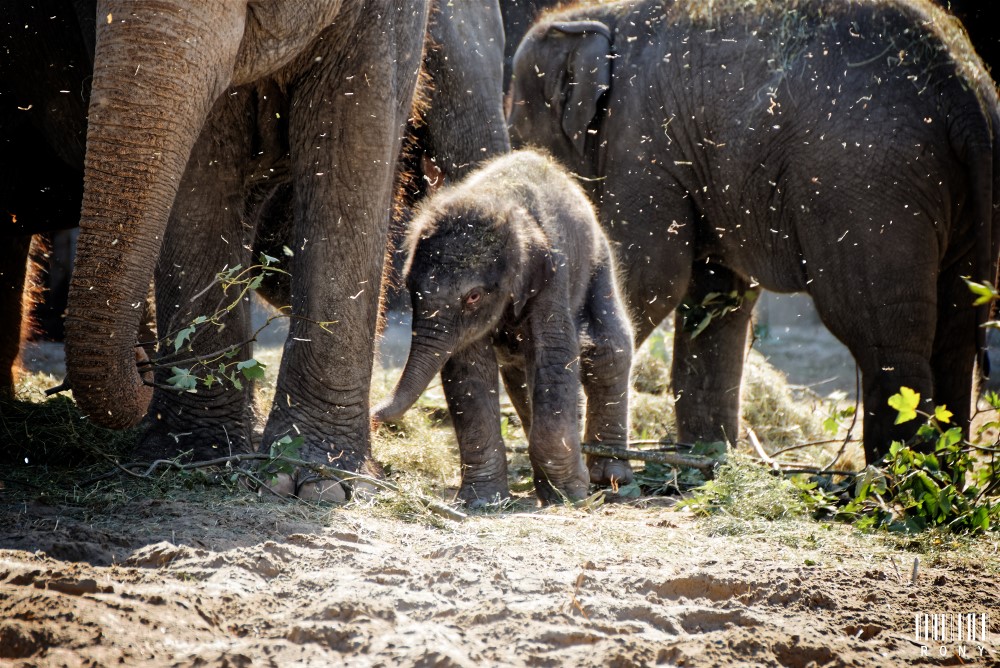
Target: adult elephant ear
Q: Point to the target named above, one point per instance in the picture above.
(586, 78)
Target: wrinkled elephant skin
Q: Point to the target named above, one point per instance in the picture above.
(511, 276)
(837, 148)
(192, 103)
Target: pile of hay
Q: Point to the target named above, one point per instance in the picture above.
(779, 414)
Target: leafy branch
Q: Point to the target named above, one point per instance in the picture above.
(191, 371)
(280, 459)
(925, 482)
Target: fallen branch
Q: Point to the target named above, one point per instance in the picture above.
(815, 470)
(608, 449)
(799, 446)
(321, 471)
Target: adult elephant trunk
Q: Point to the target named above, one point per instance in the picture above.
(431, 347)
(465, 121)
(157, 72)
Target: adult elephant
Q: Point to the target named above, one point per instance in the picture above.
(518, 15)
(43, 105)
(841, 149)
(464, 120)
(180, 96)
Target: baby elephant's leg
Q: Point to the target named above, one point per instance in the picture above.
(554, 440)
(471, 387)
(606, 361)
(515, 381)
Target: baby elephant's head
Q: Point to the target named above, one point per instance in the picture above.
(463, 273)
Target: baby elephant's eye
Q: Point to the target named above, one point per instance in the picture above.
(473, 298)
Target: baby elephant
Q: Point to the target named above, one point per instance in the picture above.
(509, 271)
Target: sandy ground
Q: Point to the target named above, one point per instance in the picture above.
(243, 581)
(179, 584)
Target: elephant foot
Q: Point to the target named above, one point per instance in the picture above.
(482, 495)
(307, 485)
(549, 494)
(161, 440)
(608, 472)
(308, 488)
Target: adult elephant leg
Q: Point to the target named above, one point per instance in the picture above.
(708, 368)
(345, 124)
(605, 364)
(471, 388)
(652, 224)
(957, 342)
(205, 235)
(884, 312)
(13, 269)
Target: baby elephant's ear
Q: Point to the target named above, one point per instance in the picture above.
(539, 271)
(587, 76)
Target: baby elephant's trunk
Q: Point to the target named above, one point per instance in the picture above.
(427, 358)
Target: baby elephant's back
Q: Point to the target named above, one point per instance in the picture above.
(557, 205)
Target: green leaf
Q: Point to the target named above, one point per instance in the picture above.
(287, 446)
(267, 260)
(182, 337)
(183, 379)
(630, 491)
(993, 399)
(713, 449)
(251, 369)
(942, 414)
(947, 442)
(984, 292)
(895, 447)
(905, 403)
(255, 283)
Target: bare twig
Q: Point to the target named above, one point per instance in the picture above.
(61, 387)
(799, 446)
(813, 470)
(752, 437)
(854, 420)
(574, 600)
(892, 561)
(603, 449)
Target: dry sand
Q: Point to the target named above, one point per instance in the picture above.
(258, 583)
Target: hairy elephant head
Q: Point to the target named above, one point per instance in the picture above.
(158, 70)
(562, 71)
(467, 269)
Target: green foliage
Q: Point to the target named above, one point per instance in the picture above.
(834, 421)
(745, 490)
(183, 380)
(217, 367)
(935, 480)
(286, 446)
(697, 317)
(905, 403)
(985, 292)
